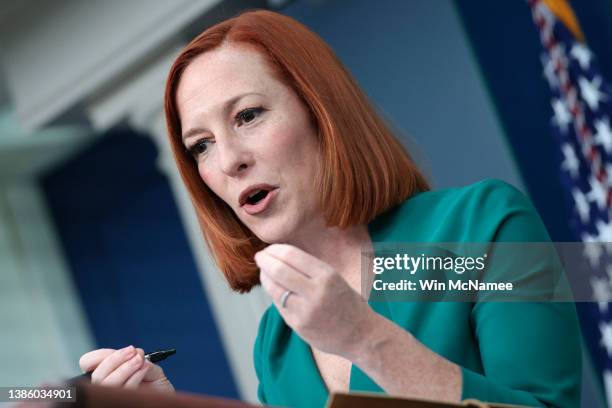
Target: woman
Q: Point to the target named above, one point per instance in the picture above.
(293, 174)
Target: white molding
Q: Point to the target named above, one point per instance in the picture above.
(100, 41)
(28, 155)
(51, 326)
(136, 97)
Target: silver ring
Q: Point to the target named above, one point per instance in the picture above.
(283, 299)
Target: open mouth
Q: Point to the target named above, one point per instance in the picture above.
(257, 196)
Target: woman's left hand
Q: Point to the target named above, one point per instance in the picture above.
(322, 308)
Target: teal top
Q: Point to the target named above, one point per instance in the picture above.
(509, 352)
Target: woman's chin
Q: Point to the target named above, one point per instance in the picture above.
(273, 235)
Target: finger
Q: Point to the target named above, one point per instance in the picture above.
(136, 378)
(298, 259)
(121, 374)
(111, 363)
(270, 286)
(127, 370)
(276, 292)
(282, 273)
(89, 361)
(154, 373)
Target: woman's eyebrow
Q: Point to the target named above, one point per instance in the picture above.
(227, 106)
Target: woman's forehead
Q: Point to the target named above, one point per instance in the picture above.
(225, 71)
(215, 78)
(225, 66)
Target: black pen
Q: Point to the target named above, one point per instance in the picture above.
(153, 357)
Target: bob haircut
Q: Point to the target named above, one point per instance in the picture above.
(365, 170)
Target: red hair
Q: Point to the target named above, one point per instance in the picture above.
(365, 170)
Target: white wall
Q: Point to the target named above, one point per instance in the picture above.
(42, 329)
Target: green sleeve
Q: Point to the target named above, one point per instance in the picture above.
(258, 355)
(530, 351)
(530, 354)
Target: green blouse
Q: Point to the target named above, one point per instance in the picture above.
(509, 352)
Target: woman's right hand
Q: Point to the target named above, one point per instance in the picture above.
(125, 368)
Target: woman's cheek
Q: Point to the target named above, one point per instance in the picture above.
(204, 174)
(288, 139)
(208, 177)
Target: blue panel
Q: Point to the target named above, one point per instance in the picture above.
(413, 60)
(131, 262)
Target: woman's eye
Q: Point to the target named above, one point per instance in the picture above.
(248, 115)
(199, 148)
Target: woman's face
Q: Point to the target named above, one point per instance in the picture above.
(252, 139)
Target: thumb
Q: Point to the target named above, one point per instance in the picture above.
(154, 372)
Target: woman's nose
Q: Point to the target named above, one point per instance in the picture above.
(233, 157)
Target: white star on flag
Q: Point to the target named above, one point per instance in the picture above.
(590, 91)
(604, 134)
(602, 292)
(581, 54)
(582, 205)
(606, 336)
(592, 250)
(570, 161)
(604, 231)
(549, 71)
(597, 193)
(562, 116)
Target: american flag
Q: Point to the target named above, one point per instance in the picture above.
(581, 102)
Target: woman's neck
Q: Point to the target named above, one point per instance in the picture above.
(340, 248)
